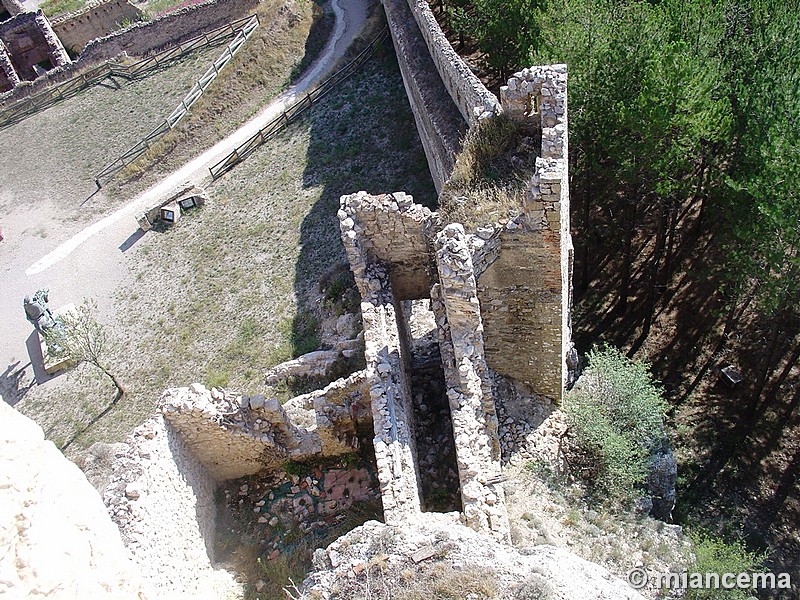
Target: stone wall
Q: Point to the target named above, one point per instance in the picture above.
(167, 30)
(57, 539)
(390, 397)
(469, 385)
(31, 45)
(382, 236)
(141, 38)
(439, 124)
(525, 289)
(468, 93)
(162, 499)
(389, 228)
(234, 436)
(375, 230)
(96, 20)
(8, 75)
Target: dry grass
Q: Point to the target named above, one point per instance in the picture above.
(489, 177)
(440, 581)
(233, 287)
(291, 34)
(437, 579)
(65, 145)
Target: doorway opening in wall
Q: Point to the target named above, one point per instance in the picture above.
(433, 426)
(43, 66)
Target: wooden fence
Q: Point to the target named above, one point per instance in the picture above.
(21, 109)
(111, 169)
(296, 111)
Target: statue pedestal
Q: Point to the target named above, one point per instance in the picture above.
(52, 364)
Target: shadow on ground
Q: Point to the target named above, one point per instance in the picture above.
(363, 137)
(14, 383)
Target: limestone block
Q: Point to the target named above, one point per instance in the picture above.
(57, 539)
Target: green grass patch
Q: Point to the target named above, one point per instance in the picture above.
(53, 8)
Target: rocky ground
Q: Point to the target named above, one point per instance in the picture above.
(435, 557)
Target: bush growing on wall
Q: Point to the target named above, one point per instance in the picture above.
(615, 416)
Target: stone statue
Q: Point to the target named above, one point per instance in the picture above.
(38, 313)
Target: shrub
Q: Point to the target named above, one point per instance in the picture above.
(714, 555)
(615, 417)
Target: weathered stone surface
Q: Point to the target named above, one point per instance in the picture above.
(388, 228)
(162, 499)
(236, 436)
(56, 539)
(525, 277)
(557, 574)
(30, 41)
(472, 407)
(314, 364)
(95, 20)
(468, 93)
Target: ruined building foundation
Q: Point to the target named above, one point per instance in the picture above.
(500, 298)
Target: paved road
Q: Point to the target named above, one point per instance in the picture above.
(93, 262)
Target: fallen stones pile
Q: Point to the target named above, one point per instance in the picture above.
(436, 450)
(281, 510)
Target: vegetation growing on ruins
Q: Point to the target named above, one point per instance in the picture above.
(490, 175)
(683, 163)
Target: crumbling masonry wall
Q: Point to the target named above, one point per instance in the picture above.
(96, 20)
(10, 8)
(526, 293)
(8, 75)
(167, 30)
(140, 39)
(31, 46)
(234, 436)
(468, 93)
(383, 235)
(384, 238)
(469, 389)
(162, 499)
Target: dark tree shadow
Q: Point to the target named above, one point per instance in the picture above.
(363, 137)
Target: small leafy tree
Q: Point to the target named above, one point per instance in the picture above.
(615, 418)
(82, 339)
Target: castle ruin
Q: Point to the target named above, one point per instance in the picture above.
(28, 45)
(500, 298)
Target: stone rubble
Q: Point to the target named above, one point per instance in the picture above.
(280, 510)
(403, 555)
